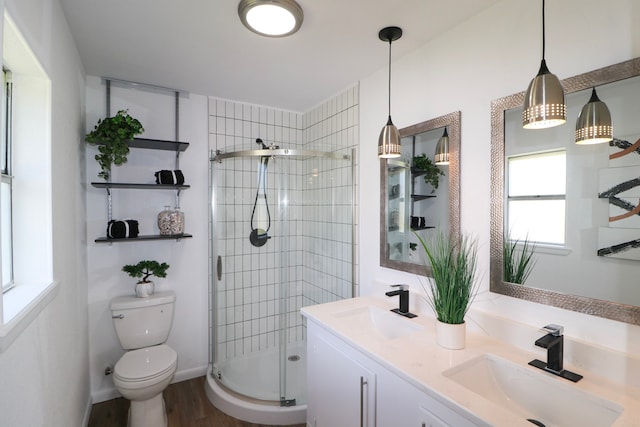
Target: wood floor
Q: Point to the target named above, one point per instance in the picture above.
(187, 406)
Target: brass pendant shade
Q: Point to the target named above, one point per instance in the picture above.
(544, 105)
(594, 122)
(389, 140)
(442, 150)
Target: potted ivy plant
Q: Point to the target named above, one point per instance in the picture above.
(146, 269)
(431, 171)
(111, 135)
(453, 286)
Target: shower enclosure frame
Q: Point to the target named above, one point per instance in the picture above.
(216, 263)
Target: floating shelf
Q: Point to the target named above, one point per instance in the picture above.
(145, 237)
(423, 228)
(157, 144)
(417, 197)
(415, 172)
(127, 185)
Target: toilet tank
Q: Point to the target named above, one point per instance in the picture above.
(143, 322)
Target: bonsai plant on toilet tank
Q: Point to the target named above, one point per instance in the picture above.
(453, 286)
(146, 269)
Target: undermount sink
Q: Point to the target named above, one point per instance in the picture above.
(384, 323)
(551, 401)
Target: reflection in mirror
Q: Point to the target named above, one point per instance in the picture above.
(417, 195)
(558, 197)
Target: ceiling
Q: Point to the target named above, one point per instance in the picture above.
(200, 46)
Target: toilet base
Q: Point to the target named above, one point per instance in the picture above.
(148, 413)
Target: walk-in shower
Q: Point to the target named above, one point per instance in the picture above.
(282, 232)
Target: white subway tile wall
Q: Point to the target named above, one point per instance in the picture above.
(308, 259)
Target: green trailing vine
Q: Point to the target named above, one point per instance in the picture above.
(432, 173)
(111, 135)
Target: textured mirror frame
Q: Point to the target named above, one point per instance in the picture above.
(607, 309)
(452, 122)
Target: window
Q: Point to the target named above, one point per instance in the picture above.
(6, 227)
(25, 187)
(536, 190)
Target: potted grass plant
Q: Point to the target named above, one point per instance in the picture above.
(145, 269)
(452, 288)
(517, 258)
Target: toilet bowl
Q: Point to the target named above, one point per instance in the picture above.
(142, 373)
(141, 376)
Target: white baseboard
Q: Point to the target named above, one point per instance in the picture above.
(187, 374)
(87, 412)
(183, 375)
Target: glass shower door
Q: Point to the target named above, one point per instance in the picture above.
(250, 282)
(259, 340)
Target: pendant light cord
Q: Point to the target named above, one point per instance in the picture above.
(390, 77)
(543, 31)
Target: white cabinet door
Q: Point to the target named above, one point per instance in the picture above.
(396, 400)
(428, 419)
(341, 390)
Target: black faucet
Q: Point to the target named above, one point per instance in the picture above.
(403, 291)
(554, 343)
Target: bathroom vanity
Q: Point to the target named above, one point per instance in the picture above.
(370, 367)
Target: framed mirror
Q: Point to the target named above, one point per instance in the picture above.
(587, 246)
(417, 195)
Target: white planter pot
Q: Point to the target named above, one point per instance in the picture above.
(450, 336)
(143, 290)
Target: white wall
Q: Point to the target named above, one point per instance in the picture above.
(187, 275)
(45, 373)
(490, 56)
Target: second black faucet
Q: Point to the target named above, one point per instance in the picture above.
(403, 292)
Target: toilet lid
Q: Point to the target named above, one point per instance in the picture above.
(146, 363)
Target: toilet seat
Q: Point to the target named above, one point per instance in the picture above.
(146, 364)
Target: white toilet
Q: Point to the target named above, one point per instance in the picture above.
(143, 372)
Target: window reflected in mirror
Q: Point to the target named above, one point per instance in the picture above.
(536, 187)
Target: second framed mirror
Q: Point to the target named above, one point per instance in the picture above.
(417, 195)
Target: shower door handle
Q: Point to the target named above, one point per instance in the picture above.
(219, 268)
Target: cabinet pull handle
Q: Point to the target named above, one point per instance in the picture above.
(219, 268)
(363, 383)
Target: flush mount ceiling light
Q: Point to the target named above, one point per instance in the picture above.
(594, 122)
(544, 105)
(389, 140)
(442, 149)
(271, 18)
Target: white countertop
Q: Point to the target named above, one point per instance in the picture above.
(419, 360)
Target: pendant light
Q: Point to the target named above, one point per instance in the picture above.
(544, 105)
(442, 149)
(594, 122)
(271, 18)
(389, 140)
